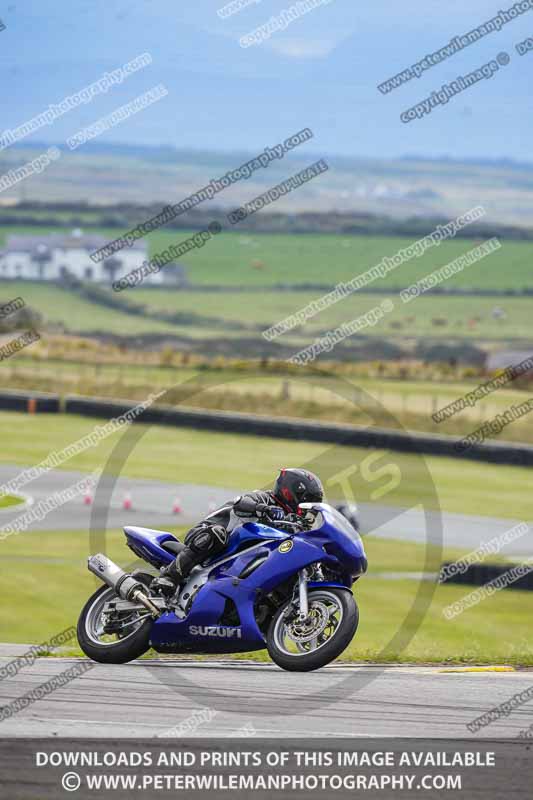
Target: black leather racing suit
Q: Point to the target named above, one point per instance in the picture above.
(210, 537)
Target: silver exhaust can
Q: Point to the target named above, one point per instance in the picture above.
(115, 577)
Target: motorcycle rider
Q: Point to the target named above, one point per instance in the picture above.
(210, 537)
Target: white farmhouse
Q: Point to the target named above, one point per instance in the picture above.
(52, 257)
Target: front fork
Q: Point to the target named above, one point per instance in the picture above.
(302, 594)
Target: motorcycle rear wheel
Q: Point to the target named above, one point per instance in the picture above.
(98, 646)
(325, 634)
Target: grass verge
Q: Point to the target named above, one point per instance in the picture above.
(8, 500)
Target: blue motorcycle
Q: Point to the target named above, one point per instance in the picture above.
(285, 586)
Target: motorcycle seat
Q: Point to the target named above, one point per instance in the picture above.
(173, 546)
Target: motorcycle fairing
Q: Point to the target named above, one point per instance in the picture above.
(147, 544)
(258, 558)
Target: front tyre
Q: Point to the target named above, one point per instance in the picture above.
(124, 640)
(304, 645)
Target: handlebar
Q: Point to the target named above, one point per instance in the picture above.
(291, 524)
(263, 509)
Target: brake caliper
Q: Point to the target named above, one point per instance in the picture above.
(312, 626)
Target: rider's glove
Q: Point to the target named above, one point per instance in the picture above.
(275, 513)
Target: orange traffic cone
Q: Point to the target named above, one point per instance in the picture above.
(127, 504)
(176, 508)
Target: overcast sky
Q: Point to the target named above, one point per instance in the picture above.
(321, 72)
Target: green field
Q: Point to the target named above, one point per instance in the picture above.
(36, 569)
(8, 500)
(231, 260)
(62, 307)
(242, 259)
(430, 316)
(255, 266)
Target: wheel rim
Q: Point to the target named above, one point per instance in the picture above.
(95, 622)
(300, 638)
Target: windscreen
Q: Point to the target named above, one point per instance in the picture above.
(335, 518)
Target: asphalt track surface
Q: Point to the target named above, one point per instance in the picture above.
(150, 698)
(153, 502)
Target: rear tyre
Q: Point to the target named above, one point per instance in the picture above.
(302, 646)
(129, 643)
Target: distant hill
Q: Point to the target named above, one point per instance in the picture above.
(403, 188)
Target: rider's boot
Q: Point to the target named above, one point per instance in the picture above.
(177, 571)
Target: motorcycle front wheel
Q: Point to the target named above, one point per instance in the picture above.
(302, 645)
(128, 640)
